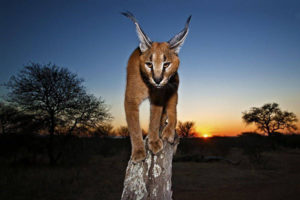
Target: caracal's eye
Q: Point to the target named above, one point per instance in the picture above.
(167, 64)
(149, 64)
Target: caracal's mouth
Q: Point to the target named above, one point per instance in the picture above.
(159, 86)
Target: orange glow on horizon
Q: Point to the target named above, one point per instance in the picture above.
(204, 132)
(221, 129)
(217, 128)
(206, 135)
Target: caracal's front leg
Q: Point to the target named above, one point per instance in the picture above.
(138, 152)
(155, 143)
(169, 131)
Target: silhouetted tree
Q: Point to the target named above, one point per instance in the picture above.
(58, 97)
(13, 120)
(90, 113)
(7, 117)
(104, 130)
(270, 118)
(185, 129)
(122, 131)
(144, 133)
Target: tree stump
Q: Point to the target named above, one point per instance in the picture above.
(151, 179)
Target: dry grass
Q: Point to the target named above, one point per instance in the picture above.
(101, 177)
(278, 179)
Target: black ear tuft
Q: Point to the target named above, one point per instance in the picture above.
(145, 42)
(129, 15)
(177, 41)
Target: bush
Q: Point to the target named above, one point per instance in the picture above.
(253, 145)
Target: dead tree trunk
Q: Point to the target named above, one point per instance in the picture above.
(152, 178)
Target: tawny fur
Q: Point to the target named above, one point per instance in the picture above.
(152, 73)
(163, 101)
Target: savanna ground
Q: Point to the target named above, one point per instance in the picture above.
(94, 168)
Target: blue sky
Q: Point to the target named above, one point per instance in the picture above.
(238, 54)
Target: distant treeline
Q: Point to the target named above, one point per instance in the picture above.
(48, 114)
(31, 149)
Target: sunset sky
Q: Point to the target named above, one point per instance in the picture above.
(238, 54)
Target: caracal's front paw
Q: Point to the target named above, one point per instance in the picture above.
(168, 135)
(138, 155)
(156, 146)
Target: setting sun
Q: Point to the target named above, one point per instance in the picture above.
(204, 132)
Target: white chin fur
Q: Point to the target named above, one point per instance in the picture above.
(162, 83)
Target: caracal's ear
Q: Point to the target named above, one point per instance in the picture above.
(145, 42)
(177, 41)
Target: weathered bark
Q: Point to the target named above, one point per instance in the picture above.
(152, 178)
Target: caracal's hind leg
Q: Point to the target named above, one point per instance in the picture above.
(155, 143)
(169, 131)
(163, 121)
(138, 152)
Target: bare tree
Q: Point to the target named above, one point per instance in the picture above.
(122, 131)
(186, 129)
(14, 120)
(270, 118)
(58, 97)
(7, 116)
(90, 113)
(104, 130)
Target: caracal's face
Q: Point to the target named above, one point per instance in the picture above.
(158, 64)
(159, 61)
